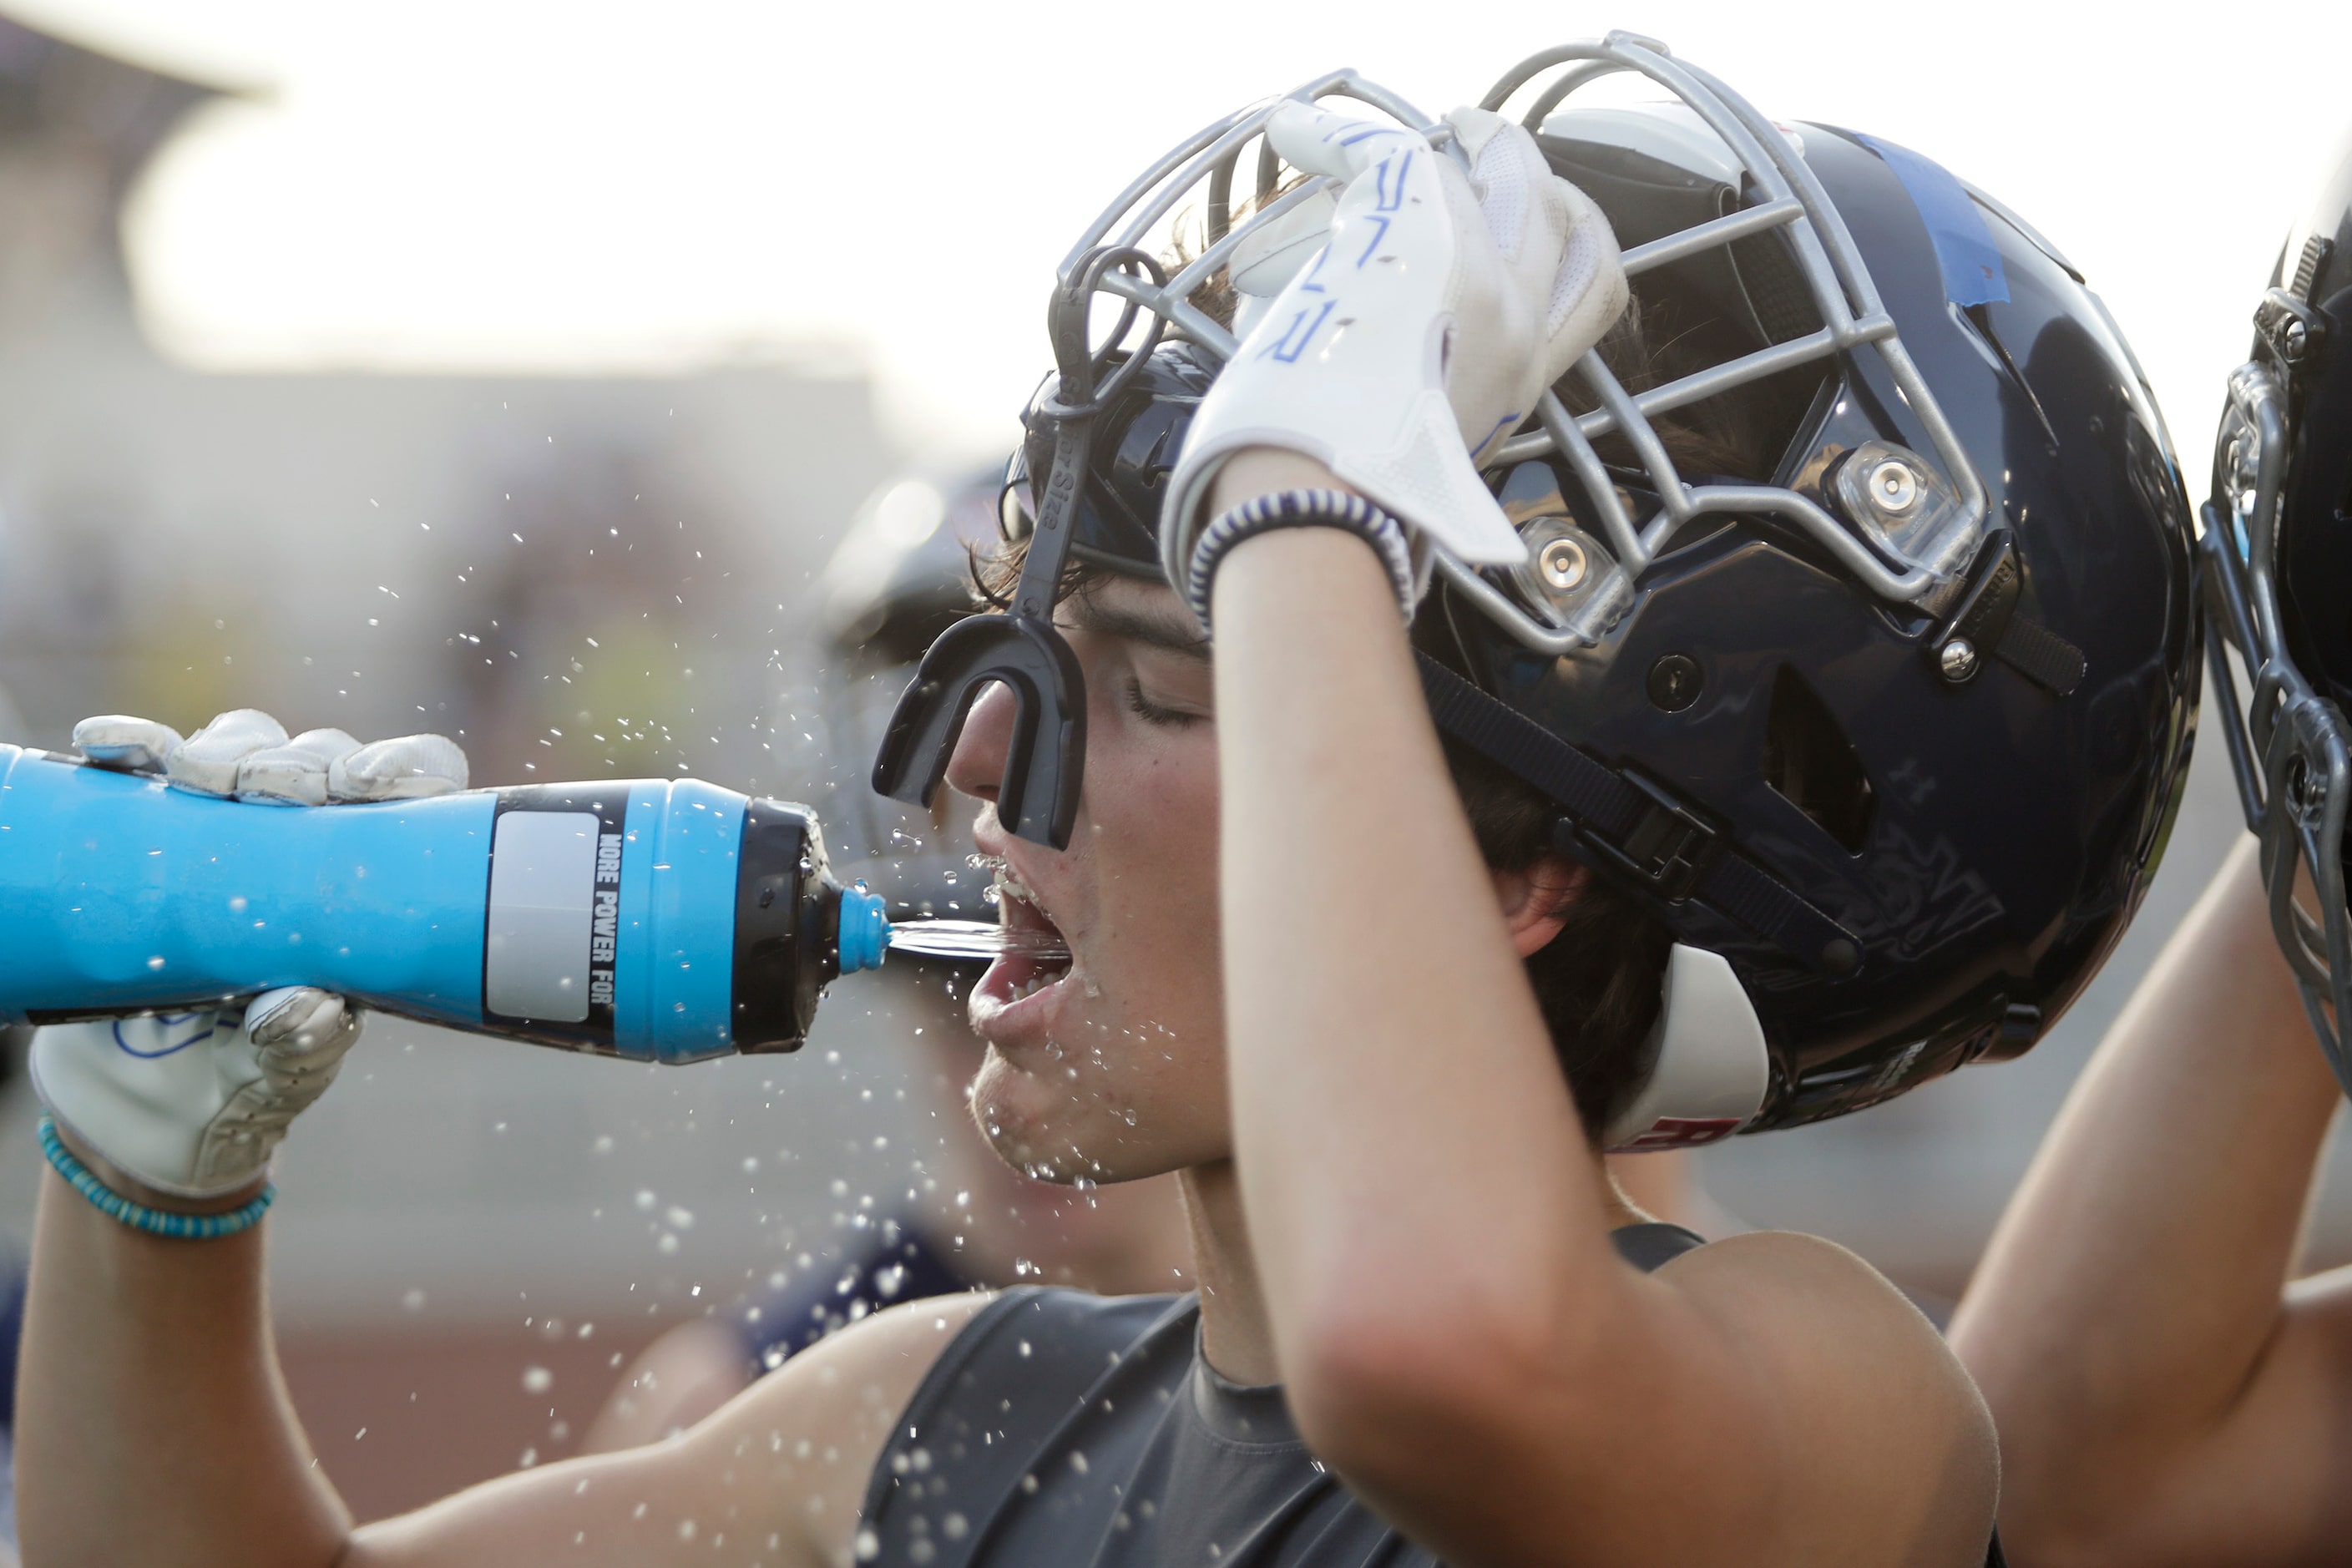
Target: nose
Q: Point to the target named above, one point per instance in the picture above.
(976, 766)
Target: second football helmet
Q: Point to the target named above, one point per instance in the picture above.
(2277, 557)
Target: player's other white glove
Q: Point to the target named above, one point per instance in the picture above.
(1421, 333)
(192, 1104)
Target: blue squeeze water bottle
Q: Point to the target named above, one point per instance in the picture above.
(656, 920)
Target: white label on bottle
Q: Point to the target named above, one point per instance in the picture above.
(535, 963)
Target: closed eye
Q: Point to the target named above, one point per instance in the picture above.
(1152, 712)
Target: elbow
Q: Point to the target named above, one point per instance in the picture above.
(1365, 1402)
(1398, 1400)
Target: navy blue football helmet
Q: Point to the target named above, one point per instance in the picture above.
(1857, 638)
(2278, 564)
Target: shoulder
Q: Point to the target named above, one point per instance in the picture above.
(879, 1360)
(822, 1423)
(1856, 1373)
(1009, 1389)
(1032, 1353)
(1072, 1319)
(815, 1427)
(820, 1303)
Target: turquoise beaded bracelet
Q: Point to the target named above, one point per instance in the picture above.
(139, 1216)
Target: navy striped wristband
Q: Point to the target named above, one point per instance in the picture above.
(1342, 510)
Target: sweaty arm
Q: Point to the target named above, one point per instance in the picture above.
(152, 1358)
(149, 1357)
(2164, 1395)
(1455, 1333)
(153, 1425)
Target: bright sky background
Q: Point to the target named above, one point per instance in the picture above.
(571, 185)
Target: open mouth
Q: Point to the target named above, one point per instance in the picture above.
(1037, 961)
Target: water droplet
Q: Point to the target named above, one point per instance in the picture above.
(537, 1380)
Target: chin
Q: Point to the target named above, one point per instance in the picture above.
(1061, 1130)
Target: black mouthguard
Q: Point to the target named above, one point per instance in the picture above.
(1045, 762)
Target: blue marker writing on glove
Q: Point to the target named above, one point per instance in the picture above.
(656, 920)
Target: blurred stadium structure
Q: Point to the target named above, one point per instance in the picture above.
(594, 578)
(574, 571)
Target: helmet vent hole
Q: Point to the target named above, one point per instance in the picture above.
(1811, 764)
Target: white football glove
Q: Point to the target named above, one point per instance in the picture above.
(194, 1104)
(246, 753)
(1419, 335)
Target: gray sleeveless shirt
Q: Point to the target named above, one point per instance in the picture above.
(1064, 1430)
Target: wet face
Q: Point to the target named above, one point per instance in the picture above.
(1110, 1067)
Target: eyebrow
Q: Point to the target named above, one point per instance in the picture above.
(1139, 626)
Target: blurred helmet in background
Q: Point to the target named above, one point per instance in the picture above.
(901, 575)
(2277, 558)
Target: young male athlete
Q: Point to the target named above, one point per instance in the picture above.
(1330, 970)
(2169, 1389)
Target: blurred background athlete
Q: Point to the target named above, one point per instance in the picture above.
(2168, 1388)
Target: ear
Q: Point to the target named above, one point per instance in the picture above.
(1536, 898)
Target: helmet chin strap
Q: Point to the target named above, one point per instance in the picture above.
(1708, 1068)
